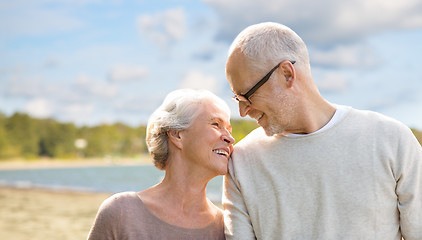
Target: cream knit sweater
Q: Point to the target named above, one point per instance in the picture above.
(360, 179)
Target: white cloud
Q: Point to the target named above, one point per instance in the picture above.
(78, 110)
(332, 82)
(18, 85)
(197, 80)
(320, 22)
(97, 88)
(79, 113)
(381, 103)
(127, 73)
(163, 27)
(344, 56)
(39, 108)
(139, 103)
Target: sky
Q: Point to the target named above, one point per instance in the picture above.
(104, 61)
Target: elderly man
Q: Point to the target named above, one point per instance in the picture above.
(313, 170)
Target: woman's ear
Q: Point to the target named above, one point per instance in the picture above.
(175, 138)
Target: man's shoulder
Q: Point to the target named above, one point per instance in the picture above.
(253, 147)
(370, 122)
(376, 118)
(253, 138)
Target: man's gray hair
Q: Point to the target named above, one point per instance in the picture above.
(177, 112)
(266, 44)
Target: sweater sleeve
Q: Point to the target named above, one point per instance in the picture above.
(106, 223)
(236, 217)
(409, 186)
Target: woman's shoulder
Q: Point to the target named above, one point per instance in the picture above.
(121, 196)
(118, 199)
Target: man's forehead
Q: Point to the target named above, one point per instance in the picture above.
(242, 81)
(235, 74)
(235, 61)
(238, 73)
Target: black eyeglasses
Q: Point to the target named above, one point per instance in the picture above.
(245, 97)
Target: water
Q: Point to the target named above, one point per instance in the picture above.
(111, 179)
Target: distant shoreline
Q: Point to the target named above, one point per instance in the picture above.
(20, 164)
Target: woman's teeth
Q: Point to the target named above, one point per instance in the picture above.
(221, 152)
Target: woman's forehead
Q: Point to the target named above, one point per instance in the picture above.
(212, 111)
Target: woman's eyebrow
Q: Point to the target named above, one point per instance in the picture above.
(212, 118)
(218, 119)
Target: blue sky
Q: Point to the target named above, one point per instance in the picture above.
(98, 61)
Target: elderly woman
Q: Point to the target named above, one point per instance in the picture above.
(189, 137)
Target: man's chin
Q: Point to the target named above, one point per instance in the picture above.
(271, 131)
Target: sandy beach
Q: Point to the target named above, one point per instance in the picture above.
(44, 214)
(41, 214)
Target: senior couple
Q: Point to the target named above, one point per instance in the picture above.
(312, 170)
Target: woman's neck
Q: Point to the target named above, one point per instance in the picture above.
(180, 199)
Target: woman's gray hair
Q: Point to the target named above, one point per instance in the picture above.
(177, 112)
(266, 44)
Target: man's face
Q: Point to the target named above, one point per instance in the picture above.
(270, 105)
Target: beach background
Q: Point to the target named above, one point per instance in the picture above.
(47, 214)
(43, 213)
(79, 79)
(58, 199)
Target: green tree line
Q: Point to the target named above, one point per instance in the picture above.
(24, 137)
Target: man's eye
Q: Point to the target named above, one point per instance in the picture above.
(215, 124)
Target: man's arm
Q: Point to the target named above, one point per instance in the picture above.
(236, 217)
(409, 188)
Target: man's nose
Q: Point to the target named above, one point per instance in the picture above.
(243, 108)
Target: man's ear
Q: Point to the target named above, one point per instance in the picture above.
(175, 138)
(289, 73)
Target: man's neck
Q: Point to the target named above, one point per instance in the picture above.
(313, 117)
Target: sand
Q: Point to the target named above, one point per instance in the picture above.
(45, 214)
(50, 214)
(41, 214)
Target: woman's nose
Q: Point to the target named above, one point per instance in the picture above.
(228, 138)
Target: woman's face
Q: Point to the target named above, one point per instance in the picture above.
(208, 143)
